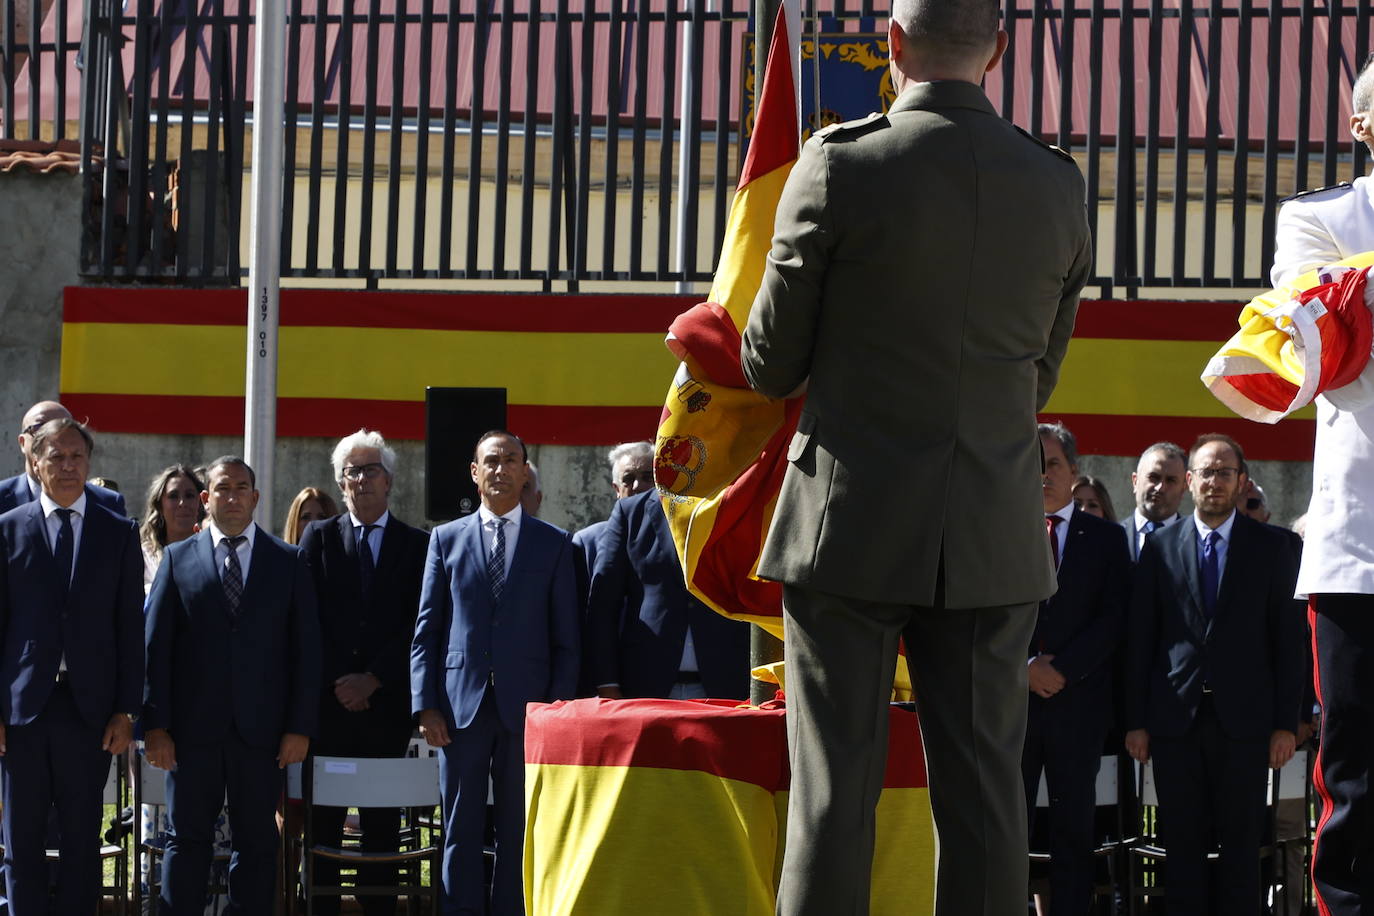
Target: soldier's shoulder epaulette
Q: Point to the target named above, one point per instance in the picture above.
(1339, 186)
(849, 130)
(1062, 154)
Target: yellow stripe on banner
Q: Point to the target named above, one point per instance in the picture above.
(601, 841)
(748, 235)
(609, 370)
(1139, 378)
(606, 841)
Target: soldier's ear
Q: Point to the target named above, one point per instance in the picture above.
(1359, 126)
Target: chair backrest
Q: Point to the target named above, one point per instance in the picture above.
(1106, 785)
(368, 782)
(1292, 778)
(1148, 795)
(152, 783)
(113, 784)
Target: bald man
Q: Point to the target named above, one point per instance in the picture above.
(24, 487)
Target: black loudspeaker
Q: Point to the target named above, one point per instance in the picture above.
(454, 418)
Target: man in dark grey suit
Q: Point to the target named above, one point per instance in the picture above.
(1158, 485)
(923, 283)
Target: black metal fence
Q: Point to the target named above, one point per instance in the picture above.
(544, 140)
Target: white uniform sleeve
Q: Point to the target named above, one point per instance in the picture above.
(1302, 243)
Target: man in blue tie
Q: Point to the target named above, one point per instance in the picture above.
(498, 628)
(233, 690)
(71, 668)
(1214, 672)
(1158, 485)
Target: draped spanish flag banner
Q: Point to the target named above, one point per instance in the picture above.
(715, 777)
(721, 446)
(1295, 343)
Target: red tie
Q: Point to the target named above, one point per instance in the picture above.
(1051, 521)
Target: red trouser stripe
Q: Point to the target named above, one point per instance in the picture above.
(1318, 782)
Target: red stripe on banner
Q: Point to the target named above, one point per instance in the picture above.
(720, 737)
(1109, 434)
(773, 143)
(332, 417)
(520, 312)
(1147, 319)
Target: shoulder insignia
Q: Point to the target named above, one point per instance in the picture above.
(1062, 154)
(848, 130)
(1339, 186)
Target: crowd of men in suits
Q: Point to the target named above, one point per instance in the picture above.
(249, 653)
(1194, 659)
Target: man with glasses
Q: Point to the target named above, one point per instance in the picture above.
(1337, 574)
(24, 487)
(367, 565)
(1214, 670)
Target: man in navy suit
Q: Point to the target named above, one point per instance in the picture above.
(233, 690)
(647, 635)
(498, 628)
(632, 472)
(71, 666)
(1158, 485)
(1071, 667)
(1214, 677)
(366, 564)
(24, 488)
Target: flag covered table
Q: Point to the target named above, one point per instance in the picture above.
(678, 808)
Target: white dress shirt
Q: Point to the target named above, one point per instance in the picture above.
(1338, 550)
(1140, 532)
(245, 549)
(374, 542)
(513, 519)
(53, 523)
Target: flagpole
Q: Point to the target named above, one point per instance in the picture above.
(264, 270)
(764, 647)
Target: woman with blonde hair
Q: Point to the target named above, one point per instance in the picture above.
(171, 514)
(310, 505)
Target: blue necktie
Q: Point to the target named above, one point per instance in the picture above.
(1211, 574)
(63, 552)
(367, 567)
(496, 563)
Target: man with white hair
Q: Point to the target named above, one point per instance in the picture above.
(367, 565)
(632, 471)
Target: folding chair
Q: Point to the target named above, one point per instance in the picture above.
(116, 794)
(411, 783)
(1293, 783)
(1108, 810)
(150, 788)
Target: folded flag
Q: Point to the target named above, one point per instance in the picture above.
(1295, 343)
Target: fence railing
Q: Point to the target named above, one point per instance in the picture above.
(544, 140)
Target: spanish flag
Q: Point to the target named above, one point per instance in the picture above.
(1295, 343)
(721, 447)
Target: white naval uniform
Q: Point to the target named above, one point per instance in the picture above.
(1315, 230)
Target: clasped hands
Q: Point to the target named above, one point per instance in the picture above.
(161, 751)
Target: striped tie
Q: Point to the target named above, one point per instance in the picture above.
(233, 573)
(496, 562)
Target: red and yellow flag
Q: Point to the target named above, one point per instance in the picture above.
(721, 447)
(1295, 343)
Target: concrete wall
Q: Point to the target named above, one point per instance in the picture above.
(40, 236)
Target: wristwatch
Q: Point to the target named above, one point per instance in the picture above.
(133, 717)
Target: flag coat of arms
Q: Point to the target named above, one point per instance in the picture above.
(721, 447)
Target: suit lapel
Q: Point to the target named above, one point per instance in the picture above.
(1240, 535)
(520, 560)
(37, 532)
(475, 546)
(260, 559)
(348, 536)
(1185, 544)
(91, 527)
(1072, 546)
(391, 548)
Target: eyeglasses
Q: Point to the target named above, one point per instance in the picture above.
(1209, 473)
(1253, 503)
(32, 428)
(359, 471)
